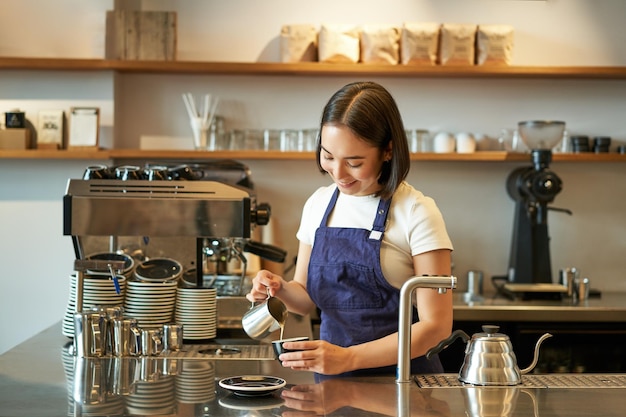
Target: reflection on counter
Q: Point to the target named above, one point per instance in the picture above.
(117, 386)
(63, 384)
(340, 395)
(136, 386)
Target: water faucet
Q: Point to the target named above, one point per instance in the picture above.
(441, 283)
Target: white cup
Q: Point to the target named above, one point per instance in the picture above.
(465, 143)
(444, 142)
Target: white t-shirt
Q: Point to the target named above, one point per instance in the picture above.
(414, 225)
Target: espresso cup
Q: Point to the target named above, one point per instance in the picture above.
(277, 345)
(96, 172)
(157, 173)
(128, 172)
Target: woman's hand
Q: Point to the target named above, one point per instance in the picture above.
(315, 399)
(263, 284)
(374, 398)
(317, 356)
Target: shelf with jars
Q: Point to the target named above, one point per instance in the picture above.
(129, 154)
(297, 69)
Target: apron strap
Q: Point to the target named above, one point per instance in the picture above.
(381, 219)
(329, 208)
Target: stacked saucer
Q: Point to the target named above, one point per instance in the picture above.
(196, 310)
(98, 290)
(151, 303)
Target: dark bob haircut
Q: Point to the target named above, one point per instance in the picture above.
(372, 114)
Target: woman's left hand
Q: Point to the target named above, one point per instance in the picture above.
(317, 356)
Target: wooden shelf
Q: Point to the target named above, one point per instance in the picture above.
(297, 69)
(308, 69)
(130, 154)
(53, 154)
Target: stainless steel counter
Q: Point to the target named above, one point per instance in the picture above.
(40, 378)
(610, 307)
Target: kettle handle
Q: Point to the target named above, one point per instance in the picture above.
(447, 342)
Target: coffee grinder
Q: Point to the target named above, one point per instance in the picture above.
(533, 188)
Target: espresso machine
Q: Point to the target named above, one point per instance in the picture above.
(202, 214)
(533, 188)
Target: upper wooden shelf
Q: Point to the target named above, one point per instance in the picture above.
(135, 154)
(308, 69)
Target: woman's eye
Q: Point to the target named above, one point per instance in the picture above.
(354, 166)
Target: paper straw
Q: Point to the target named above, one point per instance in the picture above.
(188, 105)
(192, 104)
(212, 112)
(205, 107)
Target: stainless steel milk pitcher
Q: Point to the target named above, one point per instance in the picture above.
(151, 342)
(90, 333)
(126, 337)
(264, 318)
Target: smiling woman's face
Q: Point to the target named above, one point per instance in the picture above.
(353, 164)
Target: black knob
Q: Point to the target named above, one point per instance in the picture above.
(261, 215)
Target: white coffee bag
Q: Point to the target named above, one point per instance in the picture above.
(298, 43)
(419, 43)
(457, 44)
(339, 43)
(494, 45)
(380, 44)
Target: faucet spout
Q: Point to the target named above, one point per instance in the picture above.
(441, 284)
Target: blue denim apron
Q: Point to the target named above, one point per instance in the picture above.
(346, 282)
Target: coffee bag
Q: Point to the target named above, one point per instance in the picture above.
(298, 43)
(419, 43)
(380, 44)
(494, 45)
(339, 43)
(457, 44)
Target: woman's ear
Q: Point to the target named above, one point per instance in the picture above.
(388, 152)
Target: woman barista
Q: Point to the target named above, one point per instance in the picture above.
(360, 239)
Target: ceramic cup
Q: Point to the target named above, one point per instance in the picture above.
(277, 345)
(444, 142)
(465, 143)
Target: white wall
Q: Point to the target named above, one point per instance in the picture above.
(36, 259)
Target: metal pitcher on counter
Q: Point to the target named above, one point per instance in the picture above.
(489, 357)
(126, 337)
(90, 333)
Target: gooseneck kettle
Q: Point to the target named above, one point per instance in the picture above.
(489, 357)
